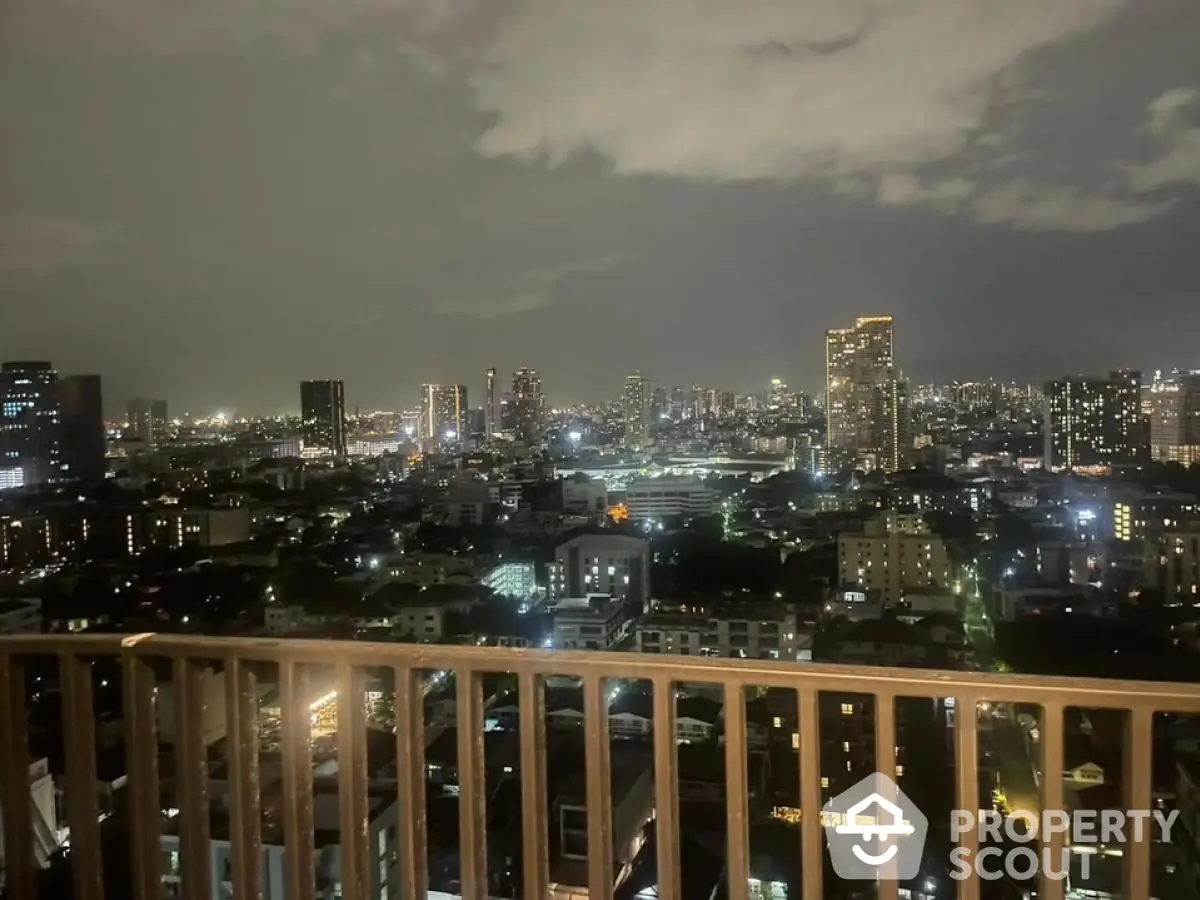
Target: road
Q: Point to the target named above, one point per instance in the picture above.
(1018, 777)
(1006, 741)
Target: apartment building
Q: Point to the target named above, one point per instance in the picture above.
(171, 528)
(594, 622)
(1172, 564)
(383, 843)
(893, 554)
(735, 631)
(614, 564)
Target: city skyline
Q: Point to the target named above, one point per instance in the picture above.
(380, 206)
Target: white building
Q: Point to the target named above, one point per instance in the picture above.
(47, 836)
(736, 631)
(892, 554)
(512, 579)
(613, 564)
(382, 846)
(590, 623)
(669, 495)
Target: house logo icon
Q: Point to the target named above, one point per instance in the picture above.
(874, 832)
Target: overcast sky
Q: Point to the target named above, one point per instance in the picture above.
(210, 200)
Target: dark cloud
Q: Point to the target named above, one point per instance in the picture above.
(210, 201)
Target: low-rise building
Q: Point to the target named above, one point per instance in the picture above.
(594, 622)
(669, 496)
(584, 495)
(732, 630)
(171, 528)
(382, 841)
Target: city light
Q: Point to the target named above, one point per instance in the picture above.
(322, 701)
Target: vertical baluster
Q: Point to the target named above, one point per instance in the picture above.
(352, 784)
(296, 740)
(195, 832)
(966, 733)
(737, 802)
(885, 764)
(812, 852)
(410, 760)
(141, 746)
(1138, 759)
(666, 790)
(241, 751)
(1052, 796)
(533, 786)
(83, 807)
(14, 780)
(599, 789)
(472, 802)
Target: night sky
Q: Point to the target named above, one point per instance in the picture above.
(210, 200)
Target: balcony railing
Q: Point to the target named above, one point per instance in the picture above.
(142, 656)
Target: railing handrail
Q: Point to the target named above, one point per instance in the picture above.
(1097, 692)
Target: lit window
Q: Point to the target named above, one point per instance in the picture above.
(847, 709)
(777, 722)
(899, 771)
(824, 781)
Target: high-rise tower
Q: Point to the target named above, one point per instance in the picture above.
(81, 405)
(866, 406)
(444, 412)
(489, 410)
(323, 411)
(30, 424)
(635, 410)
(528, 405)
(1092, 424)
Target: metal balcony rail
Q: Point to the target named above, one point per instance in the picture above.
(294, 659)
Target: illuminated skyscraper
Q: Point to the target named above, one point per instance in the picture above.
(489, 409)
(323, 414)
(1092, 423)
(636, 410)
(444, 412)
(1174, 413)
(30, 424)
(1133, 401)
(897, 418)
(866, 398)
(528, 409)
